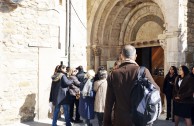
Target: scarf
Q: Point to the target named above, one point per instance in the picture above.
(87, 88)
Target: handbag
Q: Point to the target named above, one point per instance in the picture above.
(77, 96)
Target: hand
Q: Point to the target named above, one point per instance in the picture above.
(177, 98)
(50, 106)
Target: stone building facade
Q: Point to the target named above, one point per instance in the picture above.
(165, 25)
(161, 30)
(34, 38)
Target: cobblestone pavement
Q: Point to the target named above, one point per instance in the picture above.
(47, 122)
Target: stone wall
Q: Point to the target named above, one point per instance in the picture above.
(190, 37)
(30, 37)
(23, 30)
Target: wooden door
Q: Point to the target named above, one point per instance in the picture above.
(153, 59)
(158, 67)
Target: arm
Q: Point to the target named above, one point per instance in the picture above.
(51, 92)
(175, 90)
(95, 86)
(110, 100)
(76, 81)
(188, 83)
(66, 82)
(164, 84)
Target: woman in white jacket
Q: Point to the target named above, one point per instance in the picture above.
(100, 87)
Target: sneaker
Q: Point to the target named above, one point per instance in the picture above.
(78, 121)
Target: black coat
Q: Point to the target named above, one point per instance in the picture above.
(168, 85)
(185, 91)
(59, 89)
(80, 76)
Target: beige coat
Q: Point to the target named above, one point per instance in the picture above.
(100, 87)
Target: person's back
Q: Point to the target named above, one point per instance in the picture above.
(80, 75)
(120, 83)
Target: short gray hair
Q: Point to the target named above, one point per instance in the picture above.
(128, 51)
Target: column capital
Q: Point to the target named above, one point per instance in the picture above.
(97, 50)
(162, 43)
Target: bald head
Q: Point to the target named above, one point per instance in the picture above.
(129, 51)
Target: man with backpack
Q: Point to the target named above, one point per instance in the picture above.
(121, 83)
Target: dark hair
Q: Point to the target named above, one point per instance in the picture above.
(61, 67)
(102, 74)
(56, 69)
(192, 71)
(79, 68)
(185, 70)
(175, 70)
(101, 68)
(67, 68)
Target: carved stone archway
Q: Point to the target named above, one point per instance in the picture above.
(114, 21)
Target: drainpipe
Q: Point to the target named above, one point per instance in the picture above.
(69, 48)
(66, 29)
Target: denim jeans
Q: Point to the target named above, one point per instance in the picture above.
(66, 114)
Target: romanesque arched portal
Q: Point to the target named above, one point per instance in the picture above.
(116, 23)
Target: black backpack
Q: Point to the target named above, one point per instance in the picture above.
(145, 100)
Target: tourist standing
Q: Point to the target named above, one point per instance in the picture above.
(183, 96)
(120, 82)
(168, 85)
(59, 94)
(86, 103)
(100, 87)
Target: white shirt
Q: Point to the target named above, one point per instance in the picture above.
(180, 81)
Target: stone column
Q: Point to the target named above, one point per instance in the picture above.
(97, 52)
(163, 44)
(172, 54)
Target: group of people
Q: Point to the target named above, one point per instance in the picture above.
(85, 91)
(107, 95)
(178, 88)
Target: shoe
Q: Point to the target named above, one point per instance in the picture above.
(167, 118)
(78, 121)
(72, 120)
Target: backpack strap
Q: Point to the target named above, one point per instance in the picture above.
(141, 73)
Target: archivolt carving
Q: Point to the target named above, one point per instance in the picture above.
(143, 13)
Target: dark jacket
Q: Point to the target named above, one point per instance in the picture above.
(80, 76)
(186, 89)
(168, 85)
(59, 89)
(120, 83)
(74, 88)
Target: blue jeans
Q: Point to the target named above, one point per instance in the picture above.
(66, 114)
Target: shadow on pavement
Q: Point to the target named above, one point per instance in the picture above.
(34, 123)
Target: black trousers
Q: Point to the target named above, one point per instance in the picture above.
(100, 118)
(76, 103)
(169, 103)
(192, 114)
